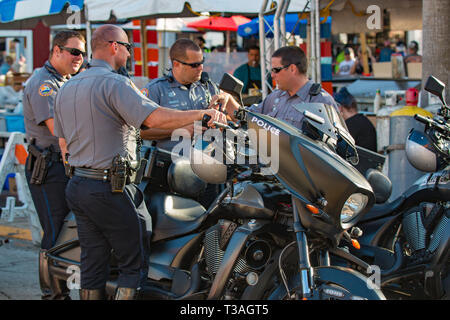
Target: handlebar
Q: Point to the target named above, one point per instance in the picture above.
(440, 127)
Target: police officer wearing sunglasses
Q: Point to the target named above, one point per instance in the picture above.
(289, 70)
(186, 87)
(96, 115)
(44, 168)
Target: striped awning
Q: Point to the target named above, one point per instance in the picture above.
(16, 10)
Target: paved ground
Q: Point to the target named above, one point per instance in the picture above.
(19, 279)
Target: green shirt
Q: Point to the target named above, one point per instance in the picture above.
(242, 73)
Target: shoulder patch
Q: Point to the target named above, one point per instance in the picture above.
(144, 91)
(45, 90)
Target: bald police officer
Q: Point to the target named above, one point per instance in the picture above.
(289, 70)
(186, 87)
(47, 183)
(96, 115)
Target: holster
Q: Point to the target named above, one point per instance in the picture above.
(119, 173)
(139, 173)
(68, 169)
(38, 163)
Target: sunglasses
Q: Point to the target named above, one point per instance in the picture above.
(278, 69)
(192, 65)
(73, 51)
(125, 44)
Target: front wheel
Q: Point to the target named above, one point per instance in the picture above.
(330, 283)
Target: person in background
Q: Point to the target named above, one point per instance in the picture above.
(361, 129)
(200, 41)
(400, 48)
(250, 73)
(6, 65)
(346, 66)
(385, 52)
(358, 67)
(412, 56)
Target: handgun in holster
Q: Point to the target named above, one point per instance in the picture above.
(38, 164)
(68, 169)
(139, 171)
(119, 174)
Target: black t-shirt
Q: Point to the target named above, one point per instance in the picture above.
(363, 131)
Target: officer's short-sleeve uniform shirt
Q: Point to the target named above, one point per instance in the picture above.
(38, 104)
(169, 93)
(97, 112)
(279, 104)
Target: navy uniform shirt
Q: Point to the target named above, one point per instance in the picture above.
(279, 104)
(97, 112)
(38, 104)
(168, 92)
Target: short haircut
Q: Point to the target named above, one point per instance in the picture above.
(179, 48)
(61, 38)
(103, 34)
(292, 55)
(252, 48)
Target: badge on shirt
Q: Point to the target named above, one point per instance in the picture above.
(45, 90)
(144, 91)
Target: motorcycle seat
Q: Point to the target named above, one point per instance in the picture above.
(384, 209)
(173, 215)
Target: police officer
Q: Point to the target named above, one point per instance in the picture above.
(45, 175)
(289, 70)
(185, 87)
(96, 114)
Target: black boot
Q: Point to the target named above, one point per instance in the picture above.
(96, 294)
(126, 294)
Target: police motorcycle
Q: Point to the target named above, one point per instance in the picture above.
(408, 239)
(266, 236)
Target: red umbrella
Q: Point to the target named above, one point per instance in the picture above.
(219, 23)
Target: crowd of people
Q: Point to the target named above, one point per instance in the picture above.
(349, 59)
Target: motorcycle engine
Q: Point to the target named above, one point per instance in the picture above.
(255, 255)
(424, 228)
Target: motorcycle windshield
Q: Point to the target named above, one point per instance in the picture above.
(326, 119)
(310, 168)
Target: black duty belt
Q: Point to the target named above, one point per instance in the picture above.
(56, 156)
(96, 174)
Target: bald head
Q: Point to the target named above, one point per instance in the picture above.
(106, 33)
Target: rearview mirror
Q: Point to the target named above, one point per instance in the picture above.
(231, 85)
(436, 87)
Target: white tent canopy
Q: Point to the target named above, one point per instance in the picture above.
(124, 9)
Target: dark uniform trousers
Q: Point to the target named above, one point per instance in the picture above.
(110, 221)
(50, 202)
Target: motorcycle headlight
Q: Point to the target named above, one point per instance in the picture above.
(353, 206)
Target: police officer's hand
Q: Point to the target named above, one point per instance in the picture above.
(220, 101)
(216, 116)
(225, 102)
